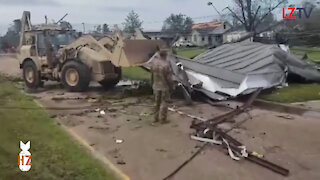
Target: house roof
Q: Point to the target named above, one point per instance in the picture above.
(219, 31)
(158, 34)
(210, 28)
(207, 26)
(152, 33)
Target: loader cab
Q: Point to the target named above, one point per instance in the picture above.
(29, 45)
(55, 39)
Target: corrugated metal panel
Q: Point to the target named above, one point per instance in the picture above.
(234, 69)
(212, 71)
(238, 58)
(241, 68)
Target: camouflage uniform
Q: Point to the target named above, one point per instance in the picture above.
(162, 84)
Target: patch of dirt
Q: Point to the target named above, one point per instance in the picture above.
(70, 122)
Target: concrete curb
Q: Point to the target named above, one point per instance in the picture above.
(285, 108)
(106, 162)
(8, 55)
(109, 165)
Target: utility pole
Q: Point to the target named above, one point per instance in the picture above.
(211, 4)
(84, 27)
(62, 18)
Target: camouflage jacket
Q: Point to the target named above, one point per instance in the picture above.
(161, 75)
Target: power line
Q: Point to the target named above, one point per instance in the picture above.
(160, 21)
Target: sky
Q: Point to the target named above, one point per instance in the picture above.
(94, 12)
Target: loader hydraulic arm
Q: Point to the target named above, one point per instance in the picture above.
(25, 26)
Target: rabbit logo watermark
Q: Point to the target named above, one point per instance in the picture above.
(24, 157)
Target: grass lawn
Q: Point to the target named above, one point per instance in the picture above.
(313, 53)
(137, 73)
(190, 52)
(295, 93)
(54, 154)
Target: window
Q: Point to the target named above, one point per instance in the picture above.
(185, 39)
(41, 45)
(203, 38)
(224, 26)
(219, 39)
(195, 38)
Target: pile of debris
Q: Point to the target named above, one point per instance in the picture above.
(239, 69)
(209, 133)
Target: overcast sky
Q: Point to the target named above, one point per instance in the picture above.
(93, 12)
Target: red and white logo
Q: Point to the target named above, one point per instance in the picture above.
(24, 157)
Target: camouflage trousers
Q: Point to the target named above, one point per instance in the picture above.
(161, 109)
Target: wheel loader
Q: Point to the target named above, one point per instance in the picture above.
(58, 53)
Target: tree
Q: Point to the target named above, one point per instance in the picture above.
(105, 28)
(304, 23)
(251, 13)
(304, 31)
(11, 38)
(99, 29)
(132, 22)
(177, 24)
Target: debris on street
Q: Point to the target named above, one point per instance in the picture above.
(212, 132)
(185, 114)
(119, 141)
(286, 116)
(208, 132)
(121, 162)
(102, 112)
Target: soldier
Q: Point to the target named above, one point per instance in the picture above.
(162, 85)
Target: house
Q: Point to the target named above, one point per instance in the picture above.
(208, 34)
(234, 36)
(158, 35)
(238, 33)
(202, 34)
(153, 35)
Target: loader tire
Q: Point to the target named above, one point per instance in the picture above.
(108, 84)
(31, 75)
(75, 76)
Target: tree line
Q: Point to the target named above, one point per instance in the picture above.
(246, 14)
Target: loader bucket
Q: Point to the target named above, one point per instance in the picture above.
(137, 52)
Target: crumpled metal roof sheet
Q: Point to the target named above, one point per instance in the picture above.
(236, 69)
(241, 58)
(240, 68)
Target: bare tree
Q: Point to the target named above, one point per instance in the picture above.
(250, 13)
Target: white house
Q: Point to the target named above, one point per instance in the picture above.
(234, 36)
(208, 34)
(202, 34)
